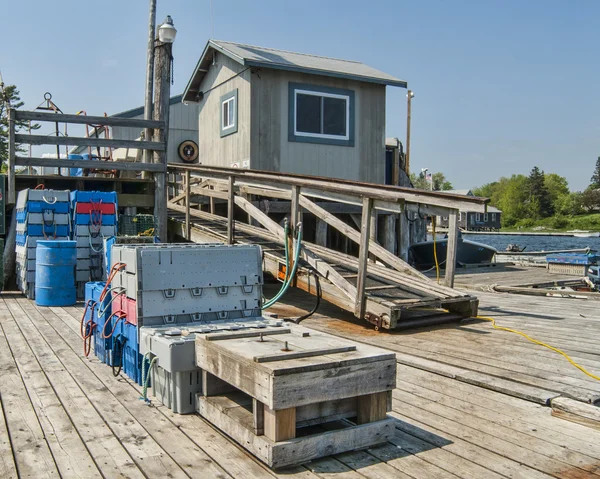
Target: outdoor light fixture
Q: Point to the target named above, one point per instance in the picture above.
(410, 94)
(167, 32)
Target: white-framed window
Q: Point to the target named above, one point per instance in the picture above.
(485, 217)
(228, 116)
(493, 216)
(477, 216)
(228, 107)
(321, 115)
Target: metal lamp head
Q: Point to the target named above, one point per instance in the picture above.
(167, 32)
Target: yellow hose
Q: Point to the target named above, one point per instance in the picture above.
(437, 265)
(535, 341)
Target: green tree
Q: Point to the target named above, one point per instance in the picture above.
(569, 205)
(419, 181)
(9, 96)
(590, 199)
(440, 183)
(595, 180)
(539, 201)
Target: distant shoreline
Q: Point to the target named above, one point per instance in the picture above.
(517, 233)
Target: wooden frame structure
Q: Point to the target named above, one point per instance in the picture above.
(377, 291)
(157, 169)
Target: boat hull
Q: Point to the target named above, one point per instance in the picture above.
(468, 252)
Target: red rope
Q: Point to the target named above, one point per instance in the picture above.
(120, 318)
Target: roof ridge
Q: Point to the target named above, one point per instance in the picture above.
(286, 51)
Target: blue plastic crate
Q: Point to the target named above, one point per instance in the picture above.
(102, 346)
(83, 219)
(132, 359)
(49, 231)
(40, 206)
(93, 196)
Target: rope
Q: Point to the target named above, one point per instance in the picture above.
(113, 271)
(102, 311)
(540, 343)
(101, 246)
(146, 376)
(120, 318)
(119, 342)
(87, 329)
(46, 200)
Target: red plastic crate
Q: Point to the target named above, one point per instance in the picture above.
(105, 208)
(127, 305)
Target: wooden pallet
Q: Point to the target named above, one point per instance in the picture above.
(391, 295)
(290, 395)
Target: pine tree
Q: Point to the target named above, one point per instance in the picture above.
(540, 201)
(595, 181)
(9, 97)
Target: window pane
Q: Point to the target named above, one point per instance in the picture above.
(225, 114)
(334, 116)
(308, 113)
(231, 112)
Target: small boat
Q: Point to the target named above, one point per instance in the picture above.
(584, 233)
(420, 255)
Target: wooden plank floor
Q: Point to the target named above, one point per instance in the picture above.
(64, 415)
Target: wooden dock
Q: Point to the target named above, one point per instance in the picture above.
(467, 402)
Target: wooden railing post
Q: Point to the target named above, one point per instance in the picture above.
(363, 255)
(12, 151)
(188, 226)
(295, 209)
(230, 206)
(452, 248)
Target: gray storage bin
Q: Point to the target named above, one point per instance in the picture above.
(177, 391)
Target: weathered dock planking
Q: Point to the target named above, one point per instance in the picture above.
(65, 415)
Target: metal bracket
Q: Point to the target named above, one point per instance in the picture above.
(374, 319)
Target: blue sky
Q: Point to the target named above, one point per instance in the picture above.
(500, 85)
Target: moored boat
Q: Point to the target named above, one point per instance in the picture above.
(420, 255)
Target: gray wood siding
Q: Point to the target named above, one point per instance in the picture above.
(271, 149)
(214, 150)
(183, 125)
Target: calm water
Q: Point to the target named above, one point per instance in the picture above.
(535, 243)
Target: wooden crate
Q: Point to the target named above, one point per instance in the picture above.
(290, 394)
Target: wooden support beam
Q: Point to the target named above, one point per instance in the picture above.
(321, 233)
(373, 233)
(89, 120)
(379, 251)
(261, 218)
(365, 233)
(230, 211)
(12, 151)
(88, 141)
(102, 165)
(372, 407)
(213, 386)
(188, 224)
(258, 413)
(389, 233)
(452, 248)
(295, 210)
(280, 425)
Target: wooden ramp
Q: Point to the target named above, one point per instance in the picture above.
(393, 298)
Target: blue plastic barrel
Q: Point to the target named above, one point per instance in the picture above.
(55, 263)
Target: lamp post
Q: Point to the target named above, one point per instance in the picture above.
(409, 96)
(163, 48)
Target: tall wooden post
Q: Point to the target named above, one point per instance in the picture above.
(148, 133)
(161, 112)
(12, 151)
(452, 248)
(230, 205)
(409, 96)
(365, 234)
(188, 225)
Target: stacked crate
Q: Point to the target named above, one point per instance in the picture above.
(41, 215)
(94, 217)
(96, 314)
(177, 285)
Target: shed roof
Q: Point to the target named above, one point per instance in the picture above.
(252, 56)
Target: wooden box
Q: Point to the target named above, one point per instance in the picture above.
(290, 394)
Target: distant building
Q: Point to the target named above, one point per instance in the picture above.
(275, 110)
(471, 221)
